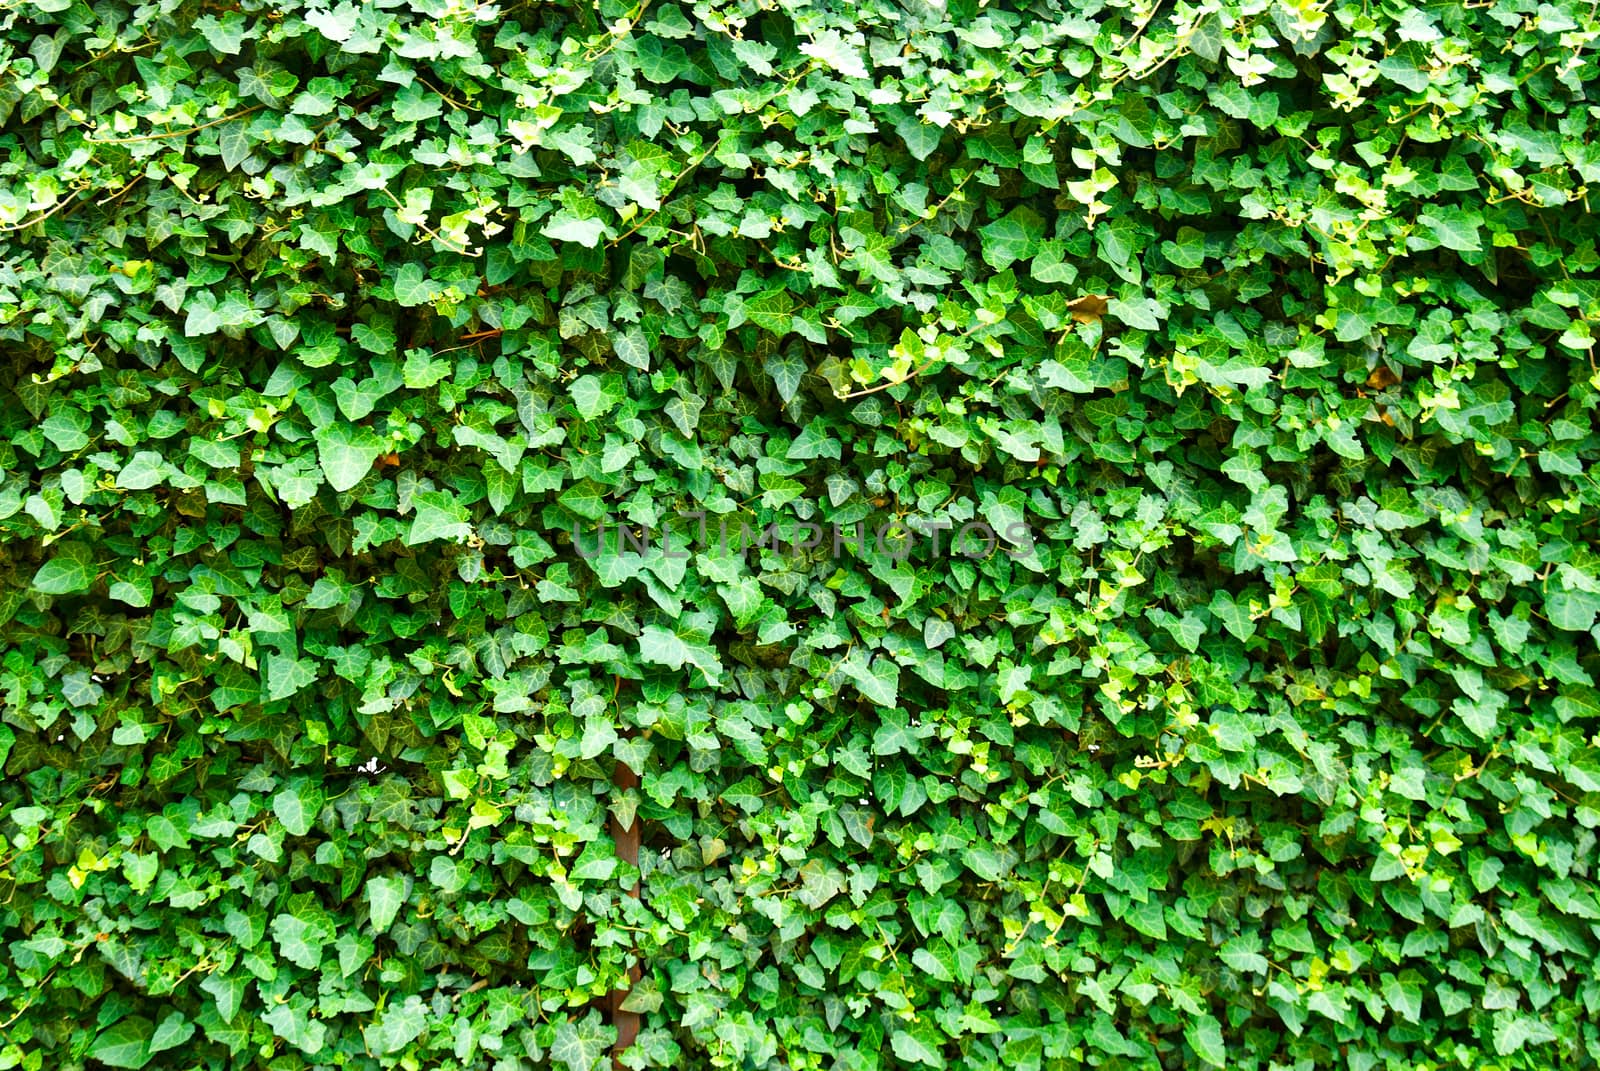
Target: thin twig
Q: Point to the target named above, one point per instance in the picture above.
(175, 133)
(464, 250)
(662, 197)
(447, 98)
(885, 386)
(108, 198)
(31, 998)
(25, 224)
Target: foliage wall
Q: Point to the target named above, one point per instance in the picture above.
(324, 329)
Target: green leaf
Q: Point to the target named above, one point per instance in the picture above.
(449, 875)
(1204, 1035)
(173, 1031)
(300, 941)
(228, 991)
(287, 675)
(415, 103)
(814, 441)
(660, 61)
(595, 396)
(293, 1023)
(918, 1044)
(582, 1044)
(67, 430)
(144, 470)
(1404, 994)
(1187, 249)
(587, 500)
(597, 863)
(661, 647)
(878, 682)
(685, 412)
(225, 35)
(412, 287)
(1514, 1030)
(1231, 730)
(400, 1024)
(632, 348)
(786, 371)
(386, 894)
(921, 137)
(1452, 227)
(1012, 238)
(771, 311)
(440, 516)
(70, 570)
(125, 1043)
(346, 453)
(207, 316)
(1235, 616)
(564, 227)
(297, 806)
(1243, 953)
(1570, 610)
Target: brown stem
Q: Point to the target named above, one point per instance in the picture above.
(627, 842)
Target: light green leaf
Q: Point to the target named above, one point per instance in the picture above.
(1204, 1035)
(386, 894)
(1243, 953)
(440, 516)
(1234, 616)
(786, 371)
(597, 863)
(399, 1025)
(1572, 610)
(412, 287)
(918, 1044)
(346, 453)
(1453, 227)
(878, 682)
(1404, 994)
(300, 941)
(225, 35)
(587, 500)
(293, 1023)
(814, 441)
(632, 348)
(297, 806)
(68, 429)
(416, 103)
(144, 470)
(595, 396)
(661, 647)
(564, 227)
(288, 675)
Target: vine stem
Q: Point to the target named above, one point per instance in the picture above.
(31, 998)
(175, 133)
(885, 386)
(25, 224)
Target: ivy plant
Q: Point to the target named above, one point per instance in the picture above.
(335, 331)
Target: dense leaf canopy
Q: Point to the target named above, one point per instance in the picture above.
(326, 331)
